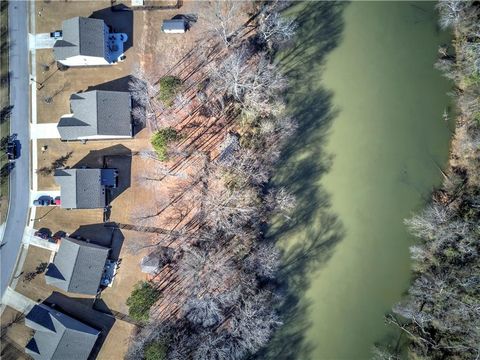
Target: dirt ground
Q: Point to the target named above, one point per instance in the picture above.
(16, 335)
(116, 343)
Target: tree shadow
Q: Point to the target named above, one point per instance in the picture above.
(315, 230)
(82, 310)
(119, 19)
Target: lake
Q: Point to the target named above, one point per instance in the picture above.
(371, 141)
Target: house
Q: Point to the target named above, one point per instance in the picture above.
(77, 267)
(58, 336)
(174, 26)
(85, 188)
(88, 42)
(98, 115)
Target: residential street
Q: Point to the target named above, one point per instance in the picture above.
(19, 124)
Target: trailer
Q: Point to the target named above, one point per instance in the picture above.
(174, 26)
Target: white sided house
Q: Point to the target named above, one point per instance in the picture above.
(88, 42)
(98, 115)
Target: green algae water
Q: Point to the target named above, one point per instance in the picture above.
(371, 141)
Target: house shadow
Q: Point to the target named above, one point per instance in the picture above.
(314, 230)
(82, 310)
(114, 157)
(105, 234)
(119, 19)
(123, 84)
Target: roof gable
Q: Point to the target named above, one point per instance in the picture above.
(71, 339)
(80, 265)
(97, 112)
(81, 36)
(81, 188)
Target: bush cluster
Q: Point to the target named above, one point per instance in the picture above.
(169, 88)
(161, 139)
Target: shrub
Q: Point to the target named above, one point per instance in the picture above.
(169, 87)
(155, 351)
(161, 139)
(141, 300)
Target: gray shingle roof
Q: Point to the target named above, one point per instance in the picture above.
(81, 188)
(97, 112)
(81, 36)
(58, 336)
(78, 266)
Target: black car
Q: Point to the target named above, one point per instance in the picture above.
(56, 34)
(12, 150)
(42, 234)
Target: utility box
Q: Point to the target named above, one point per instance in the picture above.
(174, 26)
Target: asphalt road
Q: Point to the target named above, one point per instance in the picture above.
(19, 124)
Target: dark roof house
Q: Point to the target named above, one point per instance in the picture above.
(85, 188)
(58, 336)
(97, 115)
(78, 266)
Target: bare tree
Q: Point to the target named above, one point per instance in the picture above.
(451, 12)
(203, 311)
(223, 19)
(276, 29)
(264, 260)
(427, 224)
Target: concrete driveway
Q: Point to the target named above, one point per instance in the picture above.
(17, 301)
(32, 240)
(44, 131)
(41, 41)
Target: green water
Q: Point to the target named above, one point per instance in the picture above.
(371, 137)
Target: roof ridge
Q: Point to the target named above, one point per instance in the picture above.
(96, 111)
(60, 338)
(76, 257)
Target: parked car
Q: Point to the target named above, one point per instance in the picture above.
(43, 201)
(56, 34)
(12, 150)
(58, 236)
(58, 201)
(42, 234)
